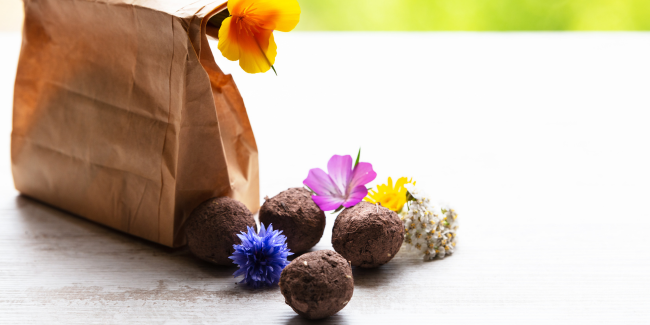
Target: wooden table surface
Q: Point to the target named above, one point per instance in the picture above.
(540, 140)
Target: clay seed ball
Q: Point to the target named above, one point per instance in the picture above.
(368, 235)
(317, 284)
(213, 226)
(295, 213)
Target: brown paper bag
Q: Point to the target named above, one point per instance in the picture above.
(122, 116)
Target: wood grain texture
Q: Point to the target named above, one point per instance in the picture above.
(551, 187)
(58, 268)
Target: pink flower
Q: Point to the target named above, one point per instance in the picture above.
(344, 186)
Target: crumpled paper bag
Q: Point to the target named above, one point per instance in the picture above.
(122, 116)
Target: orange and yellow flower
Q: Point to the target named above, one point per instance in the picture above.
(247, 35)
(389, 196)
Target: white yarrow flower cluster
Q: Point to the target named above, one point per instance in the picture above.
(430, 229)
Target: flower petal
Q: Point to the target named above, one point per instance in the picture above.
(237, 7)
(254, 47)
(340, 169)
(321, 183)
(257, 52)
(357, 194)
(327, 203)
(362, 175)
(228, 40)
(282, 15)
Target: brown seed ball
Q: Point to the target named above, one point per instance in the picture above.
(367, 235)
(317, 284)
(213, 226)
(295, 213)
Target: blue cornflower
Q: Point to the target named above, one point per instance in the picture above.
(261, 257)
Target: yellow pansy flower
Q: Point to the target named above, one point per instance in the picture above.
(247, 35)
(389, 196)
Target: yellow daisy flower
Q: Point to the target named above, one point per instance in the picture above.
(389, 196)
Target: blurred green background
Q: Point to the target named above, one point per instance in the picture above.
(446, 15)
(474, 15)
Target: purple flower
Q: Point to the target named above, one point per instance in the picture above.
(344, 186)
(261, 257)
